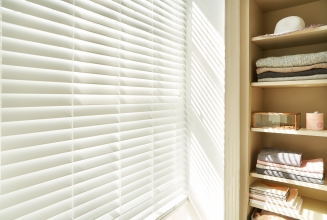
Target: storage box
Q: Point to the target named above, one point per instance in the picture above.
(315, 121)
(276, 120)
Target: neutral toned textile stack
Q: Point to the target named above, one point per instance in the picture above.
(266, 215)
(289, 165)
(293, 67)
(275, 197)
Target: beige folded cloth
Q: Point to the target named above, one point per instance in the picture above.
(292, 69)
(289, 203)
(314, 165)
(266, 215)
(293, 60)
(295, 208)
(295, 172)
(294, 78)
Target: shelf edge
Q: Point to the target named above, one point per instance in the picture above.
(302, 131)
(300, 38)
(290, 84)
(253, 173)
(290, 35)
(311, 209)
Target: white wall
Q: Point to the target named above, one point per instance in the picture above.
(206, 106)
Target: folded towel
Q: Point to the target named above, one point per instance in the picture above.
(269, 188)
(293, 60)
(275, 155)
(290, 176)
(313, 166)
(277, 207)
(294, 78)
(292, 69)
(302, 73)
(298, 199)
(299, 173)
(271, 196)
(290, 202)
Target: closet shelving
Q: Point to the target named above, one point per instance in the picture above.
(311, 209)
(305, 37)
(259, 17)
(289, 84)
(294, 182)
(301, 131)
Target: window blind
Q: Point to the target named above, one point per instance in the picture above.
(92, 108)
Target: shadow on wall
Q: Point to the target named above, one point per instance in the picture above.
(206, 113)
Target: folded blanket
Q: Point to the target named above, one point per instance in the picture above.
(290, 176)
(269, 188)
(272, 196)
(277, 207)
(294, 78)
(298, 199)
(293, 60)
(302, 73)
(290, 202)
(275, 155)
(299, 173)
(313, 166)
(292, 69)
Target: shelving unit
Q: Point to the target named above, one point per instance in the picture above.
(253, 173)
(301, 131)
(290, 84)
(298, 38)
(259, 17)
(273, 5)
(311, 209)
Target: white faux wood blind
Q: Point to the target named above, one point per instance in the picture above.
(92, 108)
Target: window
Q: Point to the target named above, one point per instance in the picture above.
(93, 108)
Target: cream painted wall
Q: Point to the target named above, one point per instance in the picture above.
(213, 110)
(206, 106)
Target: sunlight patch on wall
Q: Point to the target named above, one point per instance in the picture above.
(207, 111)
(204, 182)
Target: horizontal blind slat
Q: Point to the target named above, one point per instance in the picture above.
(93, 110)
(34, 22)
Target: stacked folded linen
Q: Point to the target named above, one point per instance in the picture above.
(279, 156)
(277, 197)
(293, 67)
(289, 165)
(266, 215)
(310, 166)
(291, 202)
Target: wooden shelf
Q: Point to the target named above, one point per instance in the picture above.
(273, 5)
(301, 131)
(312, 209)
(298, 38)
(253, 173)
(288, 84)
(260, 17)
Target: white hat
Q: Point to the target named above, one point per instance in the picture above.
(289, 24)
